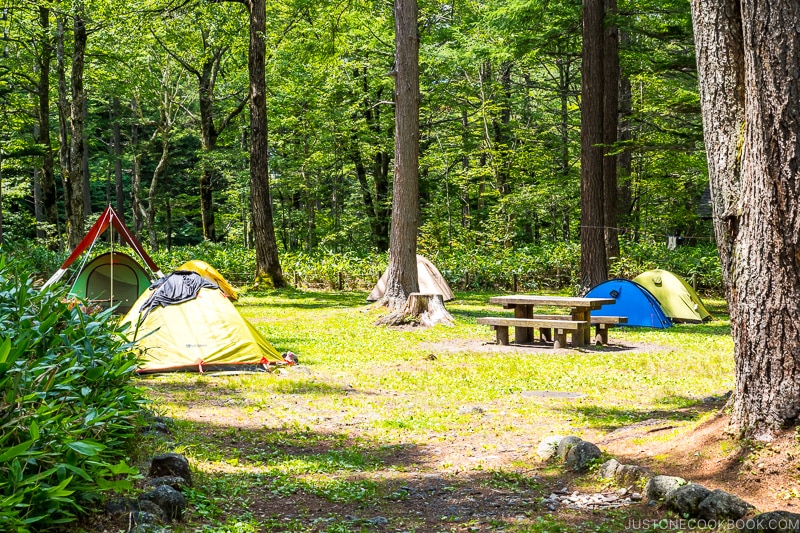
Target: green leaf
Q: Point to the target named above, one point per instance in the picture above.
(86, 447)
(15, 451)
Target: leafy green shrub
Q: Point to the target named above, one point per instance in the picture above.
(68, 408)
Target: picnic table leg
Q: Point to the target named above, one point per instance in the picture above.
(600, 334)
(521, 334)
(561, 339)
(501, 333)
(584, 335)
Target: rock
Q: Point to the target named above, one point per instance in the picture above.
(685, 500)
(177, 483)
(580, 456)
(146, 506)
(631, 474)
(773, 522)
(121, 506)
(721, 505)
(144, 518)
(566, 444)
(170, 500)
(659, 486)
(171, 464)
(470, 410)
(608, 469)
(548, 448)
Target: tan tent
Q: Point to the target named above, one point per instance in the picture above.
(211, 274)
(430, 282)
(200, 333)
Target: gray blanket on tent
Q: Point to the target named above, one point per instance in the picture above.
(177, 287)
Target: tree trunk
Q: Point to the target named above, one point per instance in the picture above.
(87, 191)
(594, 269)
(747, 64)
(402, 273)
(117, 143)
(47, 181)
(151, 194)
(268, 268)
(136, 175)
(611, 77)
(76, 154)
(63, 117)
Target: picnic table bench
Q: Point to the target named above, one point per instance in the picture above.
(552, 328)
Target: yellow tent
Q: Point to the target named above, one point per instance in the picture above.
(211, 274)
(203, 333)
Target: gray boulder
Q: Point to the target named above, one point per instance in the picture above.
(721, 505)
(548, 448)
(631, 474)
(685, 500)
(170, 464)
(566, 444)
(148, 507)
(609, 469)
(773, 522)
(658, 487)
(177, 483)
(581, 456)
(170, 500)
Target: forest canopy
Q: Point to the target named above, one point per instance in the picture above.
(165, 137)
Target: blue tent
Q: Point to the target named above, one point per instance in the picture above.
(633, 301)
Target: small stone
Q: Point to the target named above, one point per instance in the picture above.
(176, 482)
(581, 456)
(378, 521)
(773, 522)
(685, 500)
(171, 464)
(636, 497)
(608, 469)
(566, 444)
(721, 505)
(631, 474)
(170, 500)
(658, 487)
(548, 448)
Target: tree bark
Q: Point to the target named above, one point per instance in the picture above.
(117, 143)
(47, 182)
(268, 268)
(76, 152)
(611, 82)
(594, 269)
(747, 56)
(402, 273)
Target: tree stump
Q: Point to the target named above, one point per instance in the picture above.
(429, 308)
(425, 309)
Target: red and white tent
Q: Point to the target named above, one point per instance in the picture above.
(109, 218)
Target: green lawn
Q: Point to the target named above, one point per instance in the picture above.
(372, 408)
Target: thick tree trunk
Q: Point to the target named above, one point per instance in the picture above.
(594, 269)
(611, 80)
(268, 268)
(402, 273)
(76, 153)
(747, 65)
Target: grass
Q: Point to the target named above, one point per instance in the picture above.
(369, 407)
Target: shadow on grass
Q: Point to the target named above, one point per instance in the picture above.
(616, 418)
(213, 386)
(297, 479)
(306, 299)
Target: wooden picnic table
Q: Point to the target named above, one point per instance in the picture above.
(579, 313)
